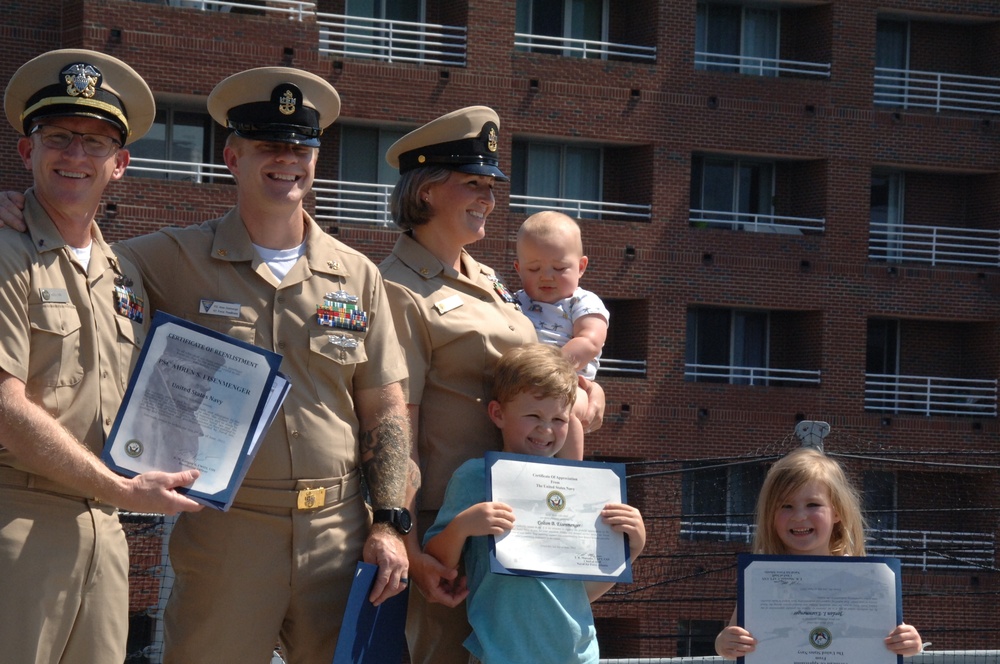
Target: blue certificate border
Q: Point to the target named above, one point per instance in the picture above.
(222, 499)
(617, 468)
(744, 560)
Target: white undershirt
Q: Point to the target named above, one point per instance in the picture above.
(280, 261)
(83, 255)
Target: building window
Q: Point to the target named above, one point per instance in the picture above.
(369, 29)
(882, 355)
(390, 10)
(880, 502)
(362, 154)
(737, 39)
(886, 215)
(624, 353)
(696, 638)
(727, 346)
(562, 21)
(175, 148)
(732, 193)
(718, 501)
(366, 178)
(892, 60)
(555, 176)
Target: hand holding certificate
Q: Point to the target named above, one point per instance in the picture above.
(805, 609)
(197, 399)
(559, 531)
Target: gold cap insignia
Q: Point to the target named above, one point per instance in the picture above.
(491, 140)
(81, 80)
(287, 102)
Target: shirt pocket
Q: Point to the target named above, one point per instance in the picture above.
(235, 327)
(131, 336)
(336, 345)
(55, 345)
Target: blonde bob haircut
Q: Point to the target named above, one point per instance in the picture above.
(540, 369)
(789, 474)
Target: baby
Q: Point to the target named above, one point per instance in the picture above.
(550, 262)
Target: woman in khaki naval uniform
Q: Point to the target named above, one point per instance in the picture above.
(454, 318)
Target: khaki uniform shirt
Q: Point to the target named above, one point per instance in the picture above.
(454, 328)
(315, 435)
(62, 335)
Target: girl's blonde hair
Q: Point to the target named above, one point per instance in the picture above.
(789, 474)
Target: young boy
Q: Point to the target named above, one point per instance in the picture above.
(522, 618)
(550, 262)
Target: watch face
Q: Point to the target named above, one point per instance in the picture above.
(404, 520)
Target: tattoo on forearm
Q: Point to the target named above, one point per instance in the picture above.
(385, 459)
(414, 476)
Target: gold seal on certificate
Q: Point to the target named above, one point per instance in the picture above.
(196, 399)
(557, 504)
(819, 609)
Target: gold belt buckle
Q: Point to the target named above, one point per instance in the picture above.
(310, 499)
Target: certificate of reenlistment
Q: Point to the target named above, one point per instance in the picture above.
(558, 530)
(818, 609)
(196, 399)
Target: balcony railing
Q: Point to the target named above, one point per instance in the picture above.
(926, 550)
(930, 395)
(719, 373)
(353, 202)
(581, 209)
(718, 531)
(907, 88)
(935, 245)
(583, 48)
(391, 41)
(921, 549)
(294, 9)
(757, 223)
(754, 66)
(614, 367)
(185, 171)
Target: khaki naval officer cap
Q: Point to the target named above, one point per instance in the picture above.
(464, 140)
(75, 82)
(277, 104)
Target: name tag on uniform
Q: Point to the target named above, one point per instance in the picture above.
(215, 308)
(449, 303)
(57, 295)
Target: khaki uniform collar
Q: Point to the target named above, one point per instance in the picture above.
(44, 234)
(232, 243)
(416, 257)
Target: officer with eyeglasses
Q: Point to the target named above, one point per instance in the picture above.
(73, 316)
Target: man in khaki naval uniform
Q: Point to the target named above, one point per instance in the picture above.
(73, 321)
(280, 563)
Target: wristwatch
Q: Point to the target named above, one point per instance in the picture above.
(398, 517)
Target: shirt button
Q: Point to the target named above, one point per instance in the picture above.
(295, 433)
(281, 344)
(281, 299)
(107, 420)
(510, 327)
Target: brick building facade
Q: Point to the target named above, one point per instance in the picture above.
(792, 209)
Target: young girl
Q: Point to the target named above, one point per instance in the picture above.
(808, 508)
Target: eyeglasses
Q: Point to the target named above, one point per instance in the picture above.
(57, 138)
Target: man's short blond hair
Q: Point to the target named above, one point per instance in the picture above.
(537, 368)
(548, 225)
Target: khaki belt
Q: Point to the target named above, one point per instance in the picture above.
(24, 480)
(325, 492)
